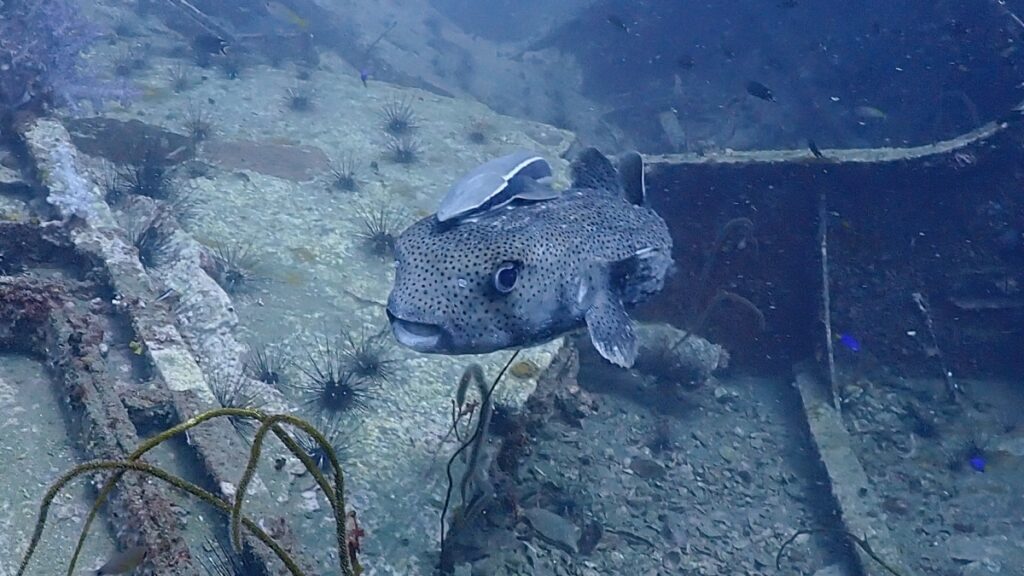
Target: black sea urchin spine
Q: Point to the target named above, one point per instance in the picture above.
(331, 388)
(369, 356)
(399, 118)
(380, 229)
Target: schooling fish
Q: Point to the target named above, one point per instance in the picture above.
(758, 90)
(123, 562)
(527, 272)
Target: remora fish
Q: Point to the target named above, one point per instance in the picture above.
(525, 273)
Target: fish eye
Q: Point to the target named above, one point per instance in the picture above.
(505, 277)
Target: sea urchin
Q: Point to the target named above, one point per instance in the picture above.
(380, 229)
(403, 150)
(266, 364)
(369, 356)
(330, 387)
(399, 119)
(234, 266)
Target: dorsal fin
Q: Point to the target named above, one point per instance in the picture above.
(631, 177)
(593, 170)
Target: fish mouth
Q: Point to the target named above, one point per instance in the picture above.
(419, 336)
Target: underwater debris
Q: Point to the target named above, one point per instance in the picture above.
(403, 150)
(381, 226)
(180, 78)
(148, 177)
(218, 560)
(952, 387)
(234, 266)
(675, 357)
(861, 543)
(266, 363)
(343, 175)
(299, 99)
(399, 118)
(331, 387)
(234, 391)
(369, 356)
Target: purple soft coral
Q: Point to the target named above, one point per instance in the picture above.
(41, 48)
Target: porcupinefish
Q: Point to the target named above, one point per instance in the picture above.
(527, 272)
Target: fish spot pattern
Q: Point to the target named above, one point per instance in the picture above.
(445, 273)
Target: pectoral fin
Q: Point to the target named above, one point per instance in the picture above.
(611, 330)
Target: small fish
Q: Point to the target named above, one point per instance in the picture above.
(364, 75)
(849, 342)
(758, 90)
(870, 113)
(685, 62)
(788, 4)
(977, 462)
(814, 149)
(618, 23)
(286, 15)
(526, 273)
(207, 43)
(123, 562)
